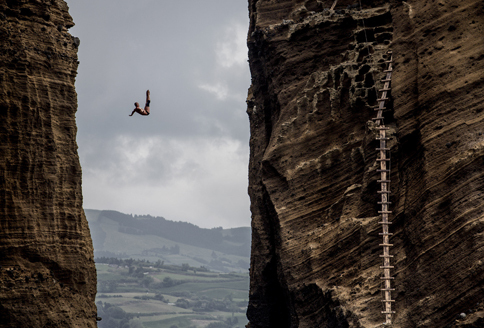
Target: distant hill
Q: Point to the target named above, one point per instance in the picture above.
(122, 235)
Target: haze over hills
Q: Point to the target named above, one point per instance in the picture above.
(155, 239)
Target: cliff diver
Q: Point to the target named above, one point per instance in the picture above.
(146, 110)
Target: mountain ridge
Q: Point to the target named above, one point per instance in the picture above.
(117, 234)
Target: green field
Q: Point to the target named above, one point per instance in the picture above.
(158, 273)
(164, 298)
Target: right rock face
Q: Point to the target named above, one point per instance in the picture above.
(313, 180)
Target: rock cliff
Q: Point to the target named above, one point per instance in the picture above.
(47, 272)
(312, 173)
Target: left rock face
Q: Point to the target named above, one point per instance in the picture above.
(47, 272)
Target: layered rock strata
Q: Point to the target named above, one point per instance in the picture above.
(312, 173)
(47, 272)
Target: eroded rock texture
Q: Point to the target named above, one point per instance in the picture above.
(47, 273)
(313, 180)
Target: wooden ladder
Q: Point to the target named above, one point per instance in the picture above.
(384, 181)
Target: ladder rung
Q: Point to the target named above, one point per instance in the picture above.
(387, 278)
(383, 181)
(388, 61)
(384, 203)
(382, 171)
(384, 222)
(385, 138)
(388, 300)
(382, 148)
(382, 128)
(387, 312)
(378, 109)
(383, 160)
(387, 267)
(383, 99)
(381, 90)
(385, 234)
(388, 70)
(377, 118)
(386, 245)
(386, 80)
(387, 289)
(385, 212)
(389, 256)
(384, 191)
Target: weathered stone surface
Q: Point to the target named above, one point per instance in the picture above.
(47, 272)
(312, 172)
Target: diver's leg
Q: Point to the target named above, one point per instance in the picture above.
(147, 106)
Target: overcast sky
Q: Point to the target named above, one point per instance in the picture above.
(187, 161)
